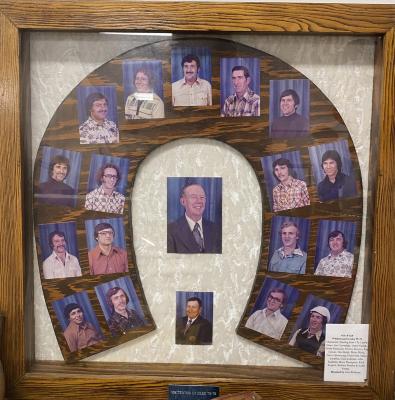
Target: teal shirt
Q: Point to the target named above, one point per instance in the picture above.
(294, 263)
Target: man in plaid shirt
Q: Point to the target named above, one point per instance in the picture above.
(244, 102)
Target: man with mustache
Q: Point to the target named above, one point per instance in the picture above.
(97, 129)
(290, 257)
(191, 90)
(60, 264)
(122, 318)
(54, 191)
(192, 233)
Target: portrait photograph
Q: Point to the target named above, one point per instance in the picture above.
(309, 332)
(240, 87)
(194, 215)
(285, 181)
(78, 321)
(121, 306)
(191, 76)
(289, 108)
(59, 250)
(59, 177)
(107, 184)
(334, 255)
(106, 246)
(272, 308)
(333, 171)
(97, 114)
(289, 237)
(143, 89)
(194, 318)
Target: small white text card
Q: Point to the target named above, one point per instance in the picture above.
(346, 352)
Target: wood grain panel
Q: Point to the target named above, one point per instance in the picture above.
(199, 16)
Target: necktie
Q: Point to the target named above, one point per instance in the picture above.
(189, 323)
(198, 236)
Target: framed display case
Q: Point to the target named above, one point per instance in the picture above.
(29, 378)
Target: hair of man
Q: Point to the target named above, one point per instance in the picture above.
(91, 98)
(284, 161)
(100, 172)
(58, 159)
(53, 234)
(242, 68)
(336, 233)
(111, 292)
(69, 308)
(189, 58)
(290, 92)
(102, 226)
(333, 155)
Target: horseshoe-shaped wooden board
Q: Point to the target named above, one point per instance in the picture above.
(288, 131)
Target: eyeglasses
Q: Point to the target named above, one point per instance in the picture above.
(108, 233)
(115, 177)
(276, 299)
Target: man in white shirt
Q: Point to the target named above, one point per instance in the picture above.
(270, 321)
(60, 264)
(191, 90)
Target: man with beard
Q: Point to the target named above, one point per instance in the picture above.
(54, 191)
(290, 257)
(122, 319)
(191, 90)
(79, 333)
(60, 264)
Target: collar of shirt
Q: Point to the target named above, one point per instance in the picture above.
(276, 314)
(281, 185)
(103, 193)
(77, 327)
(192, 224)
(309, 335)
(54, 255)
(296, 252)
(337, 255)
(248, 93)
(95, 123)
(198, 82)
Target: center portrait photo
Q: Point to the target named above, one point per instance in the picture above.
(194, 215)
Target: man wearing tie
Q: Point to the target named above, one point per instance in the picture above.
(192, 233)
(193, 328)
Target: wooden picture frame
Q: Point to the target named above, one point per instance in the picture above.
(27, 378)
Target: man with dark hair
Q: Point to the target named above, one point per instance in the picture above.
(191, 90)
(192, 233)
(60, 264)
(290, 123)
(193, 328)
(336, 184)
(339, 261)
(105, 198)
(54, 191)
(269, 320)
(97, 129)
(106, 258)
(79, 333)
(243, 102)
(290, 192)
(122, 318)
(312, 338)
(290, 257)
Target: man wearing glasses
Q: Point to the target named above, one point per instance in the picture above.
(270, 321)
(106, 258)
(105, 198)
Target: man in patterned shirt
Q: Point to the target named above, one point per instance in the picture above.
(244, 102)
(290, 192)
(105, 198)
(122, 318)
(97, 129)
(339, 262)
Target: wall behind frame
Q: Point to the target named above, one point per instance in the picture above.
(342, 67)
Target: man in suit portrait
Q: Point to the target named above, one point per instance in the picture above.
(192, 233)
(193, 328)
